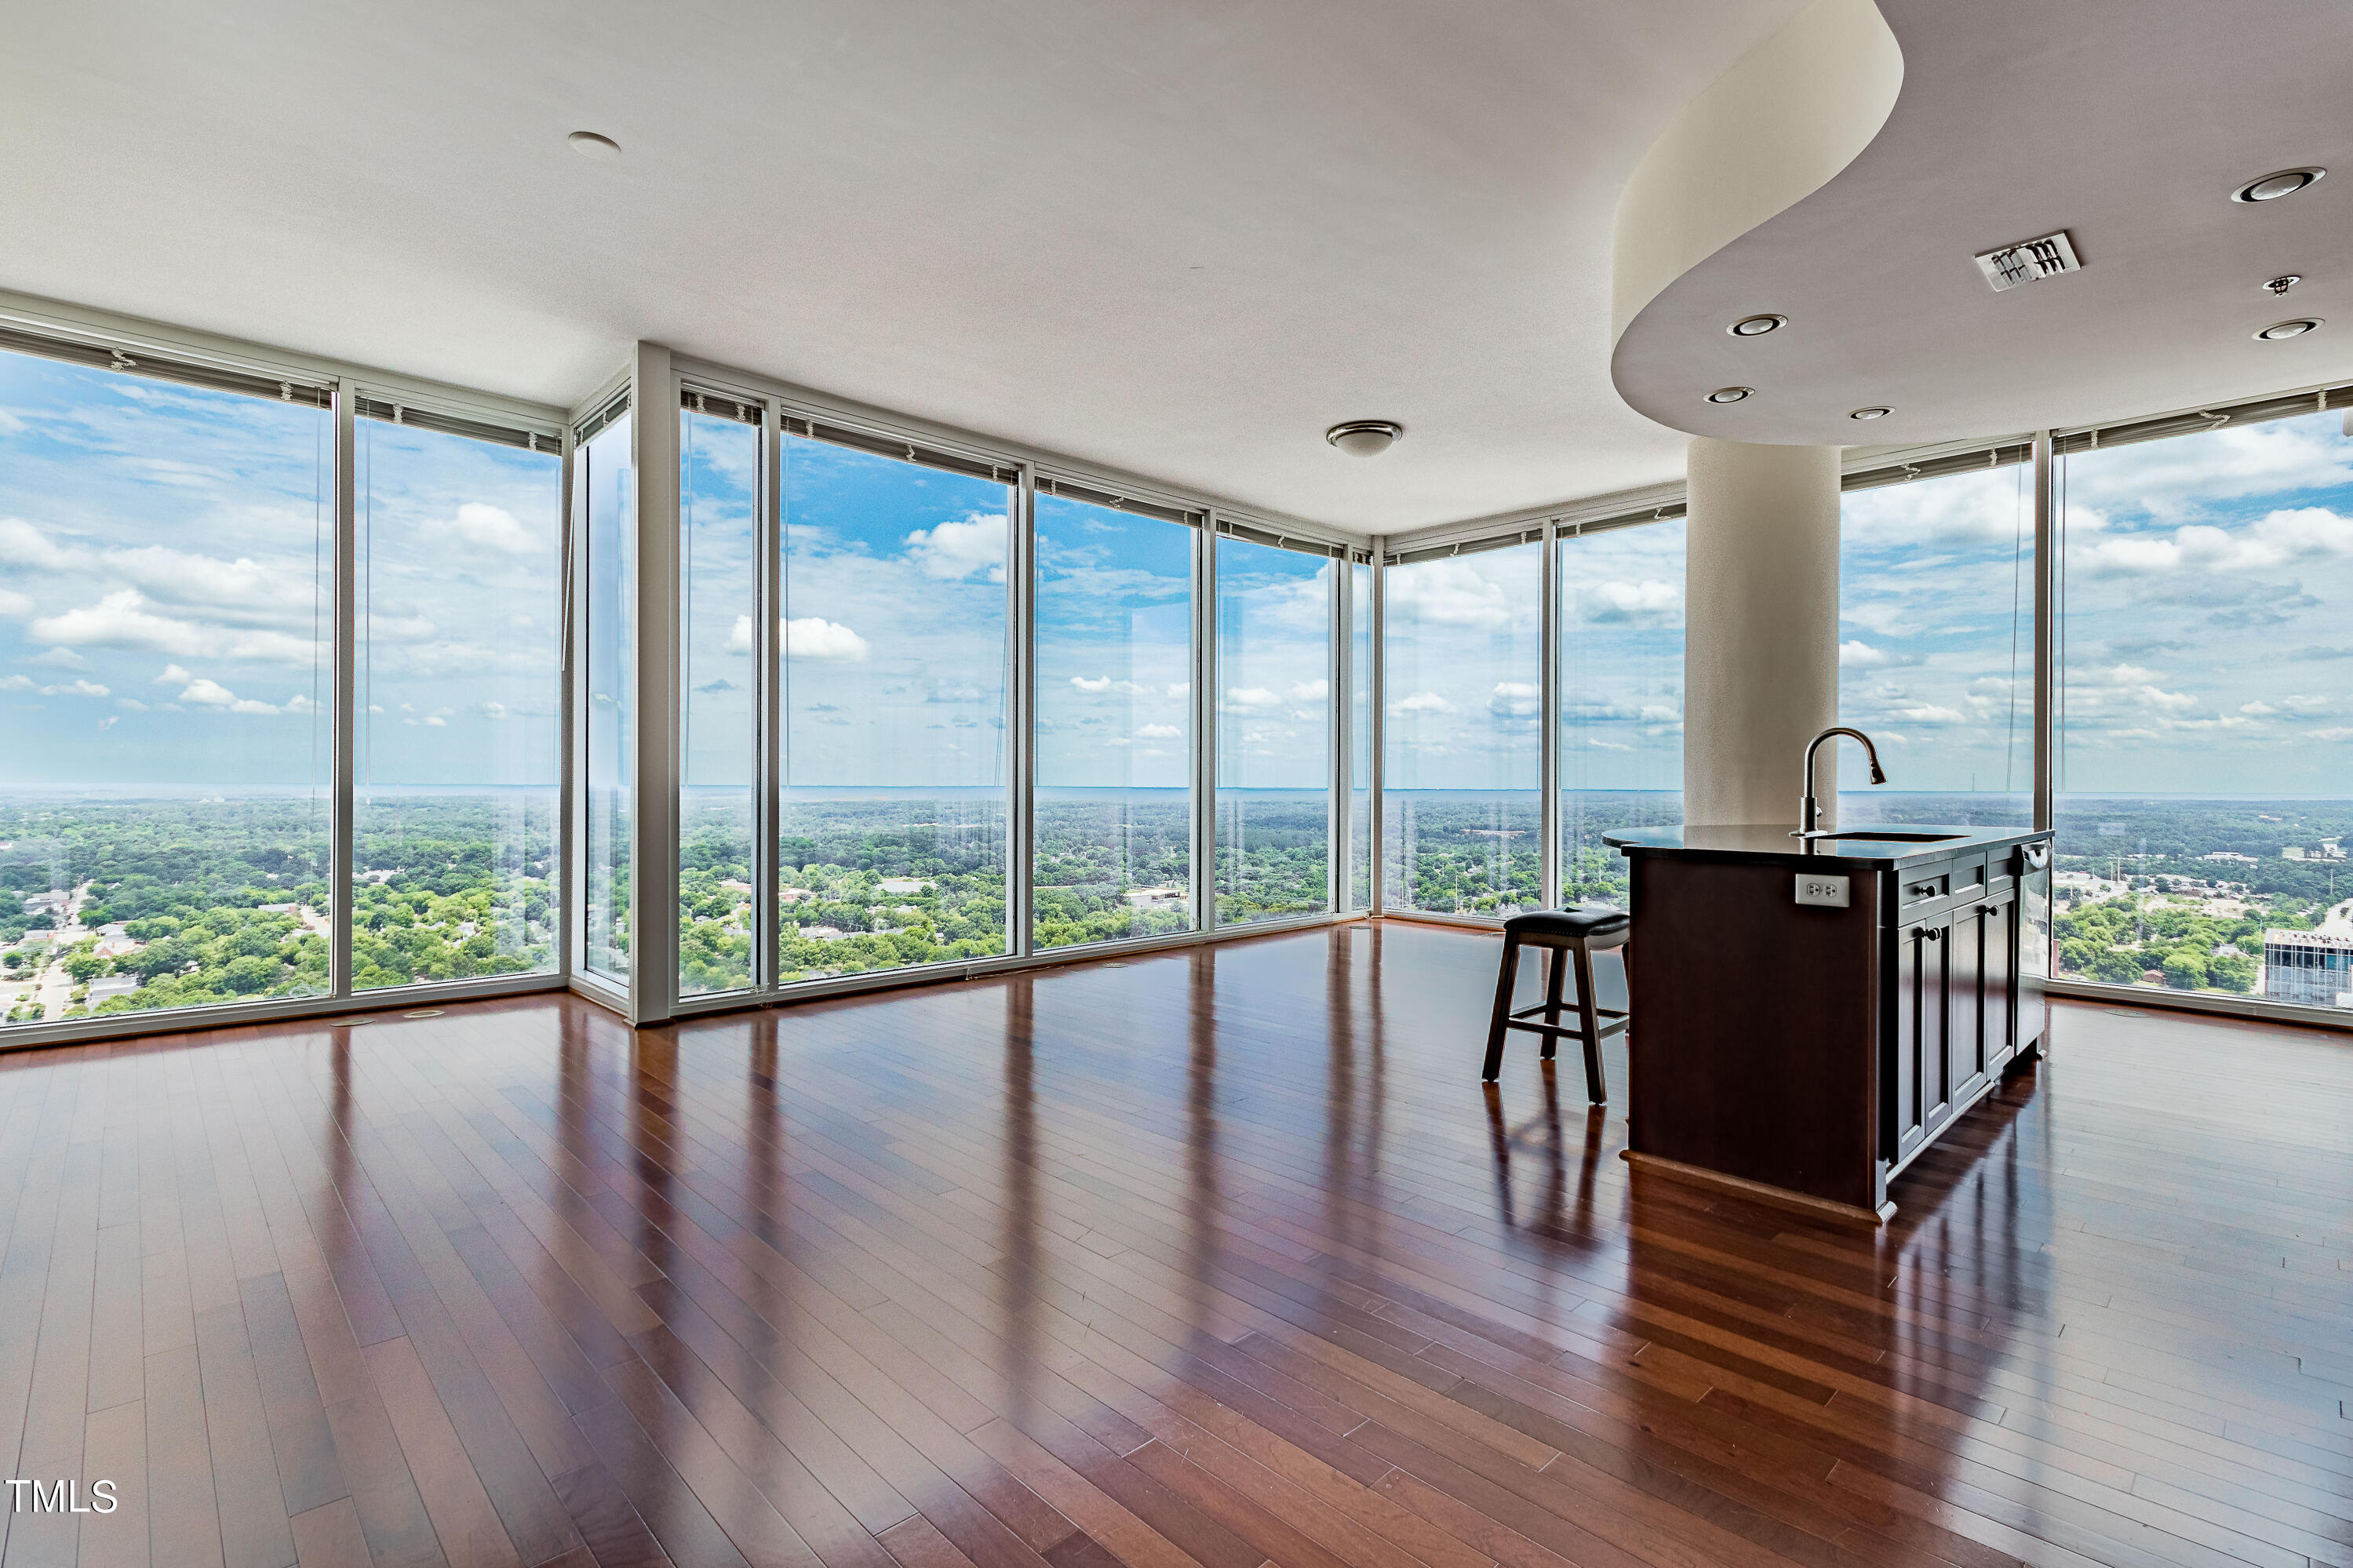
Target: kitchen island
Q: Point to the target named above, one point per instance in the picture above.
(1808, 1016)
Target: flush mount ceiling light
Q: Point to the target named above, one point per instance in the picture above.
(1731, 393)
(1871, 414)
(1365, 437)
(2272, 187)
(2283, 283)
(1756, 326)
(2279, 331)
(588, 144)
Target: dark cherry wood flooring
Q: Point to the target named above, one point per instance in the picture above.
(1217, 1260)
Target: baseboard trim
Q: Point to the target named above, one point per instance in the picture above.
(1806, 1204)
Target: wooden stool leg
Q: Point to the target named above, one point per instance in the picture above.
(1495, 1030)
(1595, 1089)
(1556, 967)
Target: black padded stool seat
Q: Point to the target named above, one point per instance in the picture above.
(1597, 920)
(1570, 936)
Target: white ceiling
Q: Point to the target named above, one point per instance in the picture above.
(2125, 122)
(1180, 238)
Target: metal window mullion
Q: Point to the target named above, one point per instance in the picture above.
(1339, 837)
(1205, 724)
(2046, 612)
(570, 911)
(654, 808)
(344, 675)
(1021, 716)
(1549, 723)
(768, 866)
(1376, 744)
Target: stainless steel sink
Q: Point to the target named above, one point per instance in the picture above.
(1887, 836)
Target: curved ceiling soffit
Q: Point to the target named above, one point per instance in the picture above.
(2125, 123)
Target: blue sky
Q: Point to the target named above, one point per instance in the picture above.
(163, 609)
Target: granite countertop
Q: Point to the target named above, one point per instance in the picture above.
(1771, 841)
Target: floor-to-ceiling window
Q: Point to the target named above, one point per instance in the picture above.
(892, 827)
(1274, 730)
(167, 623)
(1937, 646)
(1621, 600)
(2205, 717)
(1114, 805)
(719, 692)
(458, 697)
(1461, 824)
(604, 494)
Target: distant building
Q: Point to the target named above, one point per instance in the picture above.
(2293, 852)
(2314, 967)
(2332, 849)
(900, 887)
(2230, 857)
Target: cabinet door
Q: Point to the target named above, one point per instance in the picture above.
(1964, 977)
(2001, 1008)
(1916, 1088)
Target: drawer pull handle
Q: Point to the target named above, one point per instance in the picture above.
(1924, 889)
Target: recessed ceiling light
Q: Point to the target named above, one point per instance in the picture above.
(588, 144)
(1365, 437)
(1730, 394)
(2296, 329)
(2271, 187)
(1871, 414)
(1756, 326)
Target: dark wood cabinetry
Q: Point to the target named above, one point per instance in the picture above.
(1832, 1043)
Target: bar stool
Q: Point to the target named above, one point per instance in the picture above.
(1568, 935)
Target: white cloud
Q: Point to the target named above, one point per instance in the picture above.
(121, 619)
(208, 694)
(436, 723)
(1423, 702)
(14, 605)
(1518, 689)
(22, 545)
(1648, 600)
(1245, 699)
(488, 527)
(15, 683)
(1310, 690)
(77, 688)
(2273, 541)
(133, 704)
(109, 722)
(61, 658)
(1464, 592)
(1159, 732)
(1862, 656)
(809, 638)
(812, 636)
(954, 551)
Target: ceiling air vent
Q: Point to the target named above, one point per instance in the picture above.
(2027, 260)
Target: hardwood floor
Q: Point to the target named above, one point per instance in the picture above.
(1214, 1260)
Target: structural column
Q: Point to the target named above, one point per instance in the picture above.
(1760, 654)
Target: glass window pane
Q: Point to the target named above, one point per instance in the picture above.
(459, 651)
(1621, 698)
(605, 483)
(2205, 804)
(1937, 648)
(719, 715)
(1460, 807)
(166, 621)
(1114, 801)
(1360, 736)
(1274, 733)
(893, 834)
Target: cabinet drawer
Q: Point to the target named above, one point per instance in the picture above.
(1922, 887)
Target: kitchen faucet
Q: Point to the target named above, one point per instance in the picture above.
(1809, 812)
